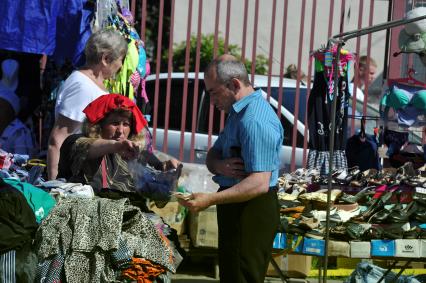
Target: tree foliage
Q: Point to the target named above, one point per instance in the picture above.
(207, 52)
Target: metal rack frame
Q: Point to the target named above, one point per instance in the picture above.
(340, 40)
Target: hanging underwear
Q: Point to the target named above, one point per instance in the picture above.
(408, 101)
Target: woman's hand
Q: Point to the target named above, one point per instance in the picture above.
(170, 164)
(127, 149)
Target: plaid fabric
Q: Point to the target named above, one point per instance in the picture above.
(50, 270)
(122, 257)
(7, 267)
(320, 160)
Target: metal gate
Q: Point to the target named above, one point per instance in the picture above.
(283, 31)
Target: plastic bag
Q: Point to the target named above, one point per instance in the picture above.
(154, 184)
(369, 273)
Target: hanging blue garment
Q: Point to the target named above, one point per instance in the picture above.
(29, 25)
(73, 31)
(51, 27)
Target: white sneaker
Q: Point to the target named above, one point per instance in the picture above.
(321, 215)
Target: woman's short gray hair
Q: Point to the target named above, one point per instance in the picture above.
(107, 42)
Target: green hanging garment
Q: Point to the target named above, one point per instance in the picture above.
(121, 83)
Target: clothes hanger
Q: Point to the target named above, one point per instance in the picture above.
(410, 80)
(362, 133)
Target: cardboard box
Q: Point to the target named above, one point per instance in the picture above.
(278, 241)
(360, 249)
(382, 247)
(313, 246)
(203, 228)
(339, 248)
(295, 266)
(295, 244)
(173, 214)
(407, 248)
(422, 248)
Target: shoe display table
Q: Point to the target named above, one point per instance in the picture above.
(408, 250)
(371, 214)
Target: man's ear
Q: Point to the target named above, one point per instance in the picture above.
(234, 85)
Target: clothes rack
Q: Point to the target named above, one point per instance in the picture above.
(340, 40)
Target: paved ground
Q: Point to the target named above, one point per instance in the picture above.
(202, 270)
(185, 278)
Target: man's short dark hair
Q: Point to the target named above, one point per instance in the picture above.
(226, 70)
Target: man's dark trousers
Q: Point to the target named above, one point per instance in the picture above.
(246, 234)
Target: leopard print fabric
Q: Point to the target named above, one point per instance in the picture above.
(86, 231)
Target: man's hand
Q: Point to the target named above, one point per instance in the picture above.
(231, 167)
(198, 202)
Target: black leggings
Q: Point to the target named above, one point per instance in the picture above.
(246, 234)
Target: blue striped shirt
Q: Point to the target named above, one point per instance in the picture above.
(253, 126)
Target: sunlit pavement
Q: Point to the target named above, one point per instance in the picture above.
(185, 278)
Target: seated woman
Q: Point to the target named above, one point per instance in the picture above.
(114, 132)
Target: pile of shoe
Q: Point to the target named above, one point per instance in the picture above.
(388, 204)
(353, 177)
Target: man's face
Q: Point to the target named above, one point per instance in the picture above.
(220, 96)
(371, 73)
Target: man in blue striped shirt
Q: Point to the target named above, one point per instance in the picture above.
(245, 161)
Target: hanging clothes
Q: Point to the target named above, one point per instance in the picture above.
(362, 152)
(394, 141)
(121, 82)
(130, 81)
(46, 27)
(29, 26)
(74, 27)
(408, 101)
(319, 111)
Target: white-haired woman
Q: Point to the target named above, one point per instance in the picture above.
(104, 51)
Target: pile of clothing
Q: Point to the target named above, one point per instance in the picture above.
(55, 231)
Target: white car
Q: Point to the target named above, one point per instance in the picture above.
(202, 116)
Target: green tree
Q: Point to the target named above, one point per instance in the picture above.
(206, 54)
(151, 32)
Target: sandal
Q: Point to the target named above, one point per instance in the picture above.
(422, 171)
(345, 179)
(317, 233)
(355, 231)
(355, 198)
(413, 233)
(375, 206)
(377, 232)
(419, 215)
(403, 215)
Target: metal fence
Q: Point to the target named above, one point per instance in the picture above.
(283, 31)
